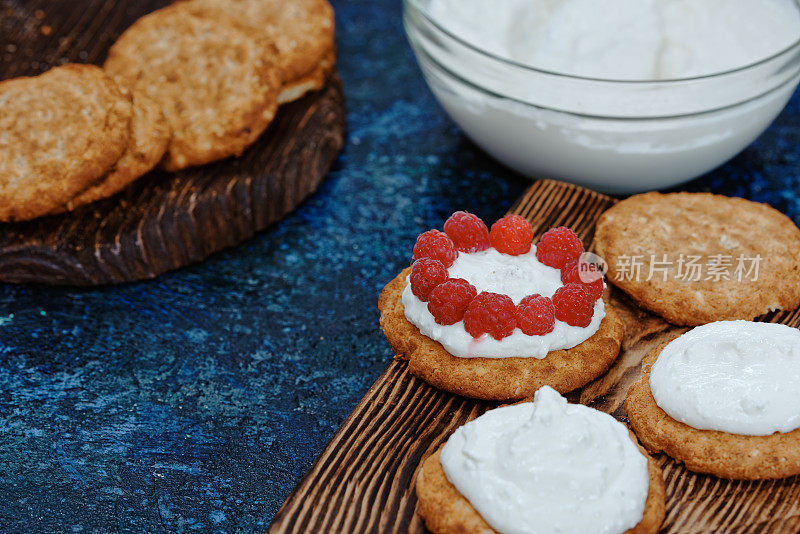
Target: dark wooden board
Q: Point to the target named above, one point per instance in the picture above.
(163, 221)
(364, 479)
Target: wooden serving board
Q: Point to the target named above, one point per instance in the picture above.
(364, 479)
(163, 221)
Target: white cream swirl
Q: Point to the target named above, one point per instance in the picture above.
(740, 377)
(549, 466)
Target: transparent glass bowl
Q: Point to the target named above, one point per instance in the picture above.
(613, 136)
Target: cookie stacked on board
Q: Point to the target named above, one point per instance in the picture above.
(60, 134)
(694, 258)
(724, 398)
(192, 83)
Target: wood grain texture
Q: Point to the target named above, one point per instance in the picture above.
(163, 221)
(364, 479)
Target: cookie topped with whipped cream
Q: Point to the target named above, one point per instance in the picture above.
(489, 315)
(541, 466)
(725, 399)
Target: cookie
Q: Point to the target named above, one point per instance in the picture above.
(211, 79)
(150, 137)
(302, 30)
(495, 378)
(694, 258)
(446, 511)
(717, 453)
(60, 133)
(311, 81)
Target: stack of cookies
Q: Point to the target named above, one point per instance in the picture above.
(186, 85)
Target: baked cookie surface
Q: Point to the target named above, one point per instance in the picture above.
(60, 133)
(302, 30)
(746, 256)
(495, 378)
(446, 511)
(725, 455)
(212, 80)
(150, 135)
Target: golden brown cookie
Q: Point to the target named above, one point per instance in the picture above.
(60, 132)
(150, 136)
(302, 30)
(708, 451)
(726, 258)
(311, 81)
(446, 511)
(496, 378)
(211, 79)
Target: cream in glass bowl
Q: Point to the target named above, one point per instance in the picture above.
(616, 95)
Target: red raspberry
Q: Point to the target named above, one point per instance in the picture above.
(512, 235)
(591, 278)
(435, 245)
(426, 274)
(468, 232)
(573, 305)
(558, 246)
(490, 313)
(536, 315)
(449, 300)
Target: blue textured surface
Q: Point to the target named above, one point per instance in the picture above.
(197, 401)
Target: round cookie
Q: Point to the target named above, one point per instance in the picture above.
(60, 133)
(211, 79)
(717, 453)
(302, 30)
(150, 137)
(727, 234)
(496, 378)
(446, 511)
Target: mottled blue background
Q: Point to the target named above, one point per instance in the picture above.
(198, 400)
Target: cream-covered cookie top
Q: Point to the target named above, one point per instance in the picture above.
(549, 466)
(740, 377)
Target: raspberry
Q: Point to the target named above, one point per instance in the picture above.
(573, 305)
(468, 232)
(490, 313)
(558, 246)
(590, 278)
(449, 300)
(512, 235)
(536, 315)
(435, 245)
(426, 274)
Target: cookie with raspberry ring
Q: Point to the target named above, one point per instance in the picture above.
(505, 338)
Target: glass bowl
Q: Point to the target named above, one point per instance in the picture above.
(609, 135)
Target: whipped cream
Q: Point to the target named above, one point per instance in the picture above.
(625, 39)
(517, 277)
(549, 466)
(578, 130)
(740, 377)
